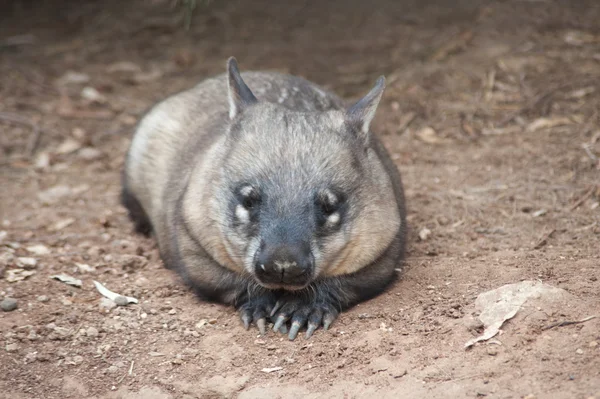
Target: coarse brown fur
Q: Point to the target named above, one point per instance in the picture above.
(294, 147)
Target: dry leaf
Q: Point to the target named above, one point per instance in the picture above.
(14, 275)
(75, 282)
(545, 123)
(429, 136)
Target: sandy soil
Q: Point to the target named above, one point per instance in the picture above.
(491, 114)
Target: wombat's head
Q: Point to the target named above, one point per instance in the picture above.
(301, 195)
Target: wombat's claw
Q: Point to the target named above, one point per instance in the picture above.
(257, 312)
(301, 315)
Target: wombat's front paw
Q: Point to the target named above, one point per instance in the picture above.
(302, 311)
(256, 310)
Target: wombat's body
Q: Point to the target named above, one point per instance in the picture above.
(282, 204)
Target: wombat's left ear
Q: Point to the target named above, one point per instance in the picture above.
(361, 114)
(240, 96)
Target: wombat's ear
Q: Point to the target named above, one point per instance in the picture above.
(361, 114)
(240, 95)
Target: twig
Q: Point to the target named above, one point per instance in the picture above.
(534, 102)
(544, 239)
(588, 151)
(567, 323)
(583, 198)
(36, 132)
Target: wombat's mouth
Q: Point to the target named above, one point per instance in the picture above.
(282, 286)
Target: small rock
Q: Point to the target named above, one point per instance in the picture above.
(12, 347)
(59, 333)
(8, 304)
(85, 268)
(38, 249)
(26, 263)
(43, 298)
(212, 321)
(112, 369)
(593, 344)
(92, 332)
(424, 233)
(32, 336)
(429, 136)
(68, 146)
(172, 311)
(6, 259)
(30, 357)
(93, 95)
(79, 133)
(492, 351)
(579, 351)
(201, 324)
(77, 360)
(61, 224)
(42, 161)
(90, 154)
(53, 195)
(121, 301)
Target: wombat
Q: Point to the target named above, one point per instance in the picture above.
(273, 197)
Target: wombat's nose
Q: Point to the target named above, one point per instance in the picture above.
(289, 264)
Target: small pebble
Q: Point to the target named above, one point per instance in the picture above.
(8, 304)
(27, 263)
(593, 344)
(492, 351)
(43, 298)
(579, 351)
(112, 370)
(77, 359)
(12, 347)
(201, 324)
(424, 233)
(172, 311)
(92, 332)
(121, 301)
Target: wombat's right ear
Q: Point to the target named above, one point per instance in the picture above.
(240, 96)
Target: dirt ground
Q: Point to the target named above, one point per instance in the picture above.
(491, 114)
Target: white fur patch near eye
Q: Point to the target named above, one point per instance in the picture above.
(333, 219)
(246, 190)
(331, 197)
(242, 214)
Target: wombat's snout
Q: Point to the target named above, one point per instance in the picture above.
(284, 264)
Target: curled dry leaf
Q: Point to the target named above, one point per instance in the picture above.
(113, 295)
(75, 282)
(14, 275)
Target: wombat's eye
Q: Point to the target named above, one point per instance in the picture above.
(328, 202)
(249, 197)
